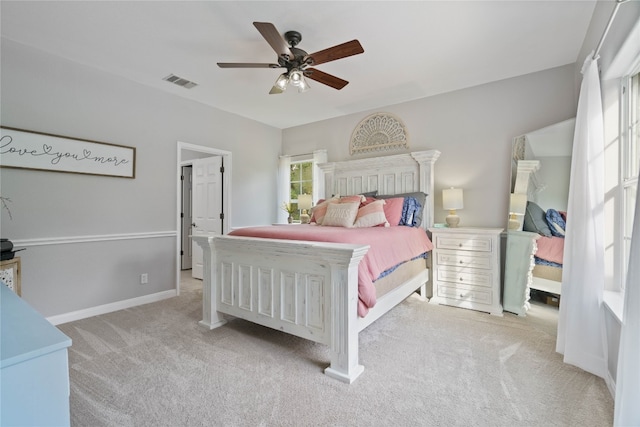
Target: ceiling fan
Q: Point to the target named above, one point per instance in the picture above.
(296, 60)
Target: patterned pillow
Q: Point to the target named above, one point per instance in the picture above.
(340, 214)
(371, 215)
(420, 197)
(556, 223)
(410, 210)
(353, 199)
(319, 211)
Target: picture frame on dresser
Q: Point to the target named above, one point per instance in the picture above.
(10, 270)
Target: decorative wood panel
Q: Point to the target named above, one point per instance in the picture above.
(244, 287)
(265, 292)
(314, 298)
(226, 283)
(288, 293)
(379, 132)
(401, 173)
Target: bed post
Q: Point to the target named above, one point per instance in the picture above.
(211, 318)
(426, 160)
(344, 314)
(325, 184)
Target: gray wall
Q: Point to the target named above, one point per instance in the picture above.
(473, 128)
(44, 93)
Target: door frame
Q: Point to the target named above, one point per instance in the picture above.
(183, 148)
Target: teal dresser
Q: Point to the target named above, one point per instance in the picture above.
(34, 370)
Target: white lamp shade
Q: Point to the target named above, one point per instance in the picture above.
(452, 198)
(518, 203)
(304, 201)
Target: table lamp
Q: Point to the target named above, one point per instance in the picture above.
(452, 200)
(304, 203)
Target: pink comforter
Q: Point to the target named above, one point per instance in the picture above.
(389, 246)
(550, 248)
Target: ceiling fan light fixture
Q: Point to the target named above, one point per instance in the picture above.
(296, 77)
(295, 60)
(281, 84)
(303, 86)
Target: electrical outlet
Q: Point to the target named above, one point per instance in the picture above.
(144, 278)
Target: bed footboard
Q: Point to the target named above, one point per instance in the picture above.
(307, 289)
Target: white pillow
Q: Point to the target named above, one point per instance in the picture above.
(319, 211)
(371, 215)
(341, 214)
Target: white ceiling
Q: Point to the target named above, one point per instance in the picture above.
(412, 49)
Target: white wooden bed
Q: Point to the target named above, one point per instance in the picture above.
(310, 289)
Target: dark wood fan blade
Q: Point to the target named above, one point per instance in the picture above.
(274, 38)
(336, 52)
(324, 78)
(246, 65)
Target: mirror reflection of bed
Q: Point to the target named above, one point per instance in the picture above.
(540, 170)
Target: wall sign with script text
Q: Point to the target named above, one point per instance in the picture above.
(40, 151)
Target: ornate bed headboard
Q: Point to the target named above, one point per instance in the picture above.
(397, 174)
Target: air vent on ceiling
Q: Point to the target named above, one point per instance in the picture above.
(187, 84)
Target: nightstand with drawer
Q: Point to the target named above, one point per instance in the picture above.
(466, 268)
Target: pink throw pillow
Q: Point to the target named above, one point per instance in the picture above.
(393, 210)
(371, 214)
(320, 210)
(352, 199)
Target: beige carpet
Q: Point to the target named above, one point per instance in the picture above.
(424, 365)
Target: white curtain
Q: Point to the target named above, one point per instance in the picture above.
(284, 188)
(627, 406)
(580, 323)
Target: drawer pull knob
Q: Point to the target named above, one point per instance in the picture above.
(461, 295)
(460, 245)
(460, 261)
(461, 279)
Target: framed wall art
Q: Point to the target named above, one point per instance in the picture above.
(25, 149)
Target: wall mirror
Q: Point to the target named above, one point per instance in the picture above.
(539, 194)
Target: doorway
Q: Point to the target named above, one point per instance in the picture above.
(187, 154)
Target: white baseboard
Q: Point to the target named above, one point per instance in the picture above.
(111, 307)
(611, 384)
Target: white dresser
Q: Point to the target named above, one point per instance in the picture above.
(466, 268)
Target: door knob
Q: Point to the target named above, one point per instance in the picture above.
(193, 224)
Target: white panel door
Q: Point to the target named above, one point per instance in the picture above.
(187, 219)
(207, 205)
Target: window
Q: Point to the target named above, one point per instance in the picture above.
(299, 174)
(301, 182)
(630, 162)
